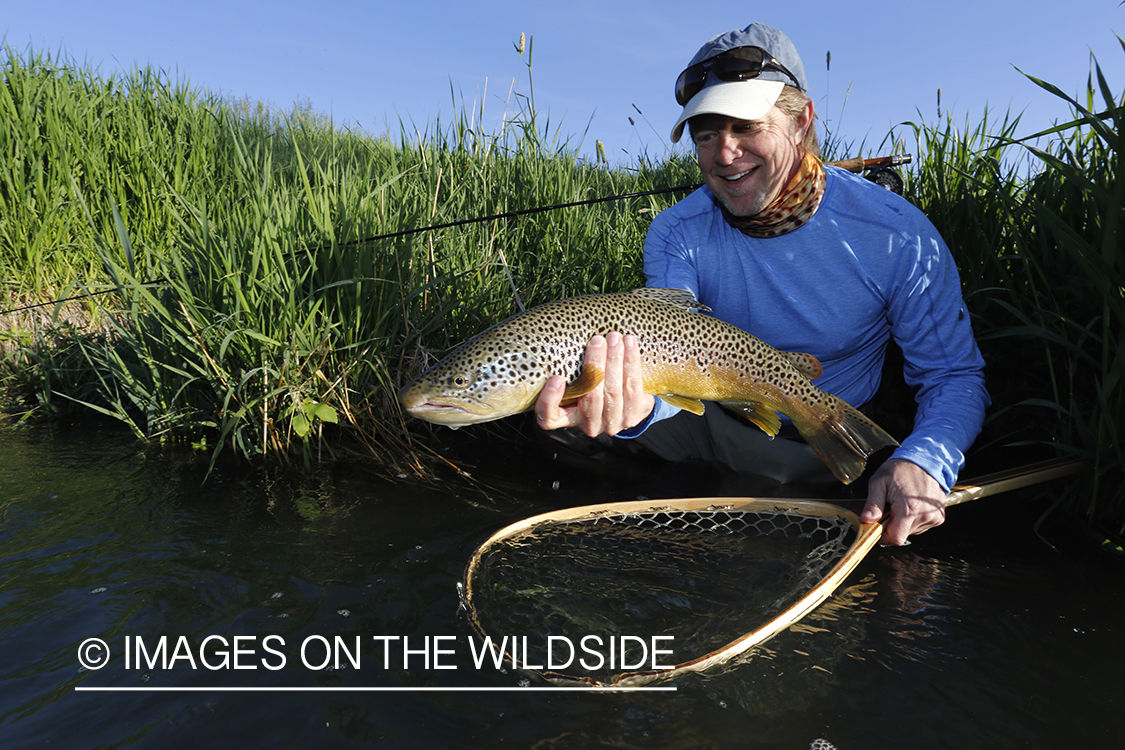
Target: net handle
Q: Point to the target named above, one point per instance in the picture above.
(1009, 479)
(1014, 479)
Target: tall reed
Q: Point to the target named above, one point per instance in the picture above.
(277, 317)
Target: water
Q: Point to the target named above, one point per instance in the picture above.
(975, 636)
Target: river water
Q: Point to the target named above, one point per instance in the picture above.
(978, 635)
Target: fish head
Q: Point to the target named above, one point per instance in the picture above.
(482, 380)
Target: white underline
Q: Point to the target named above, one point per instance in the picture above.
(362, 689)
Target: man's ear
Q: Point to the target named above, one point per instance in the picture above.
(804, 121)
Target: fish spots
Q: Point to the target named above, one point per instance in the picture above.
(688, 352)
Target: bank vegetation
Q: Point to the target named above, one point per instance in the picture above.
(260, 283)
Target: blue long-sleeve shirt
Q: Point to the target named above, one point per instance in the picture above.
(866, 268)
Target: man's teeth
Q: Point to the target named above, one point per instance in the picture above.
(735, 177)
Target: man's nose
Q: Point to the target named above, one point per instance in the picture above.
(729, 148)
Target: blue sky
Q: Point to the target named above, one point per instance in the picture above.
(596, 62)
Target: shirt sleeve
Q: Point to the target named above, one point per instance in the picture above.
(930, 323)
(669, 255)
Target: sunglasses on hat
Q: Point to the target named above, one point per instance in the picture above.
(738, 64)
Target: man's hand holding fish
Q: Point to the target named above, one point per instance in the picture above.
(619, 404)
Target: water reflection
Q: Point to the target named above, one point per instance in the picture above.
(979, 641)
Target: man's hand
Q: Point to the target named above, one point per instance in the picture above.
(617, 404)
(907, 496)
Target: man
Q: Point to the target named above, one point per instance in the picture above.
(808, 259)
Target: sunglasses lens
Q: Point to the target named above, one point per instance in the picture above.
(737, 70)
(689, 83)
(738, 64)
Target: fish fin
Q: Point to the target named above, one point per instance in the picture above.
(591, 377)
(694, 405)
(806, 364)
(845, 443)
(677, 297)
(757, 413)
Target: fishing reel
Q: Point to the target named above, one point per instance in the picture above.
(888, 178)
(880, 170)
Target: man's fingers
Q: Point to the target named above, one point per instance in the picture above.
(548, 413)
(895, 532)
(876, 502)
(590, 405)
(905, 499)
(637, 403)
(612, 386)
(617, 404)
(905, 524)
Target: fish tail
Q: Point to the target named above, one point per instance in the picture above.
(844, 440)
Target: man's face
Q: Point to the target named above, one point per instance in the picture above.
(747, 163)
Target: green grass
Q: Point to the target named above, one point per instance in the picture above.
(283, 328)
(279, 314)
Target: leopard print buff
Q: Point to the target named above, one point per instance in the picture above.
(793, 208)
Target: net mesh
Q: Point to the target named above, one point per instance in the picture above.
(706, 577)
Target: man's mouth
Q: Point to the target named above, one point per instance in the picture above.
(737, 177)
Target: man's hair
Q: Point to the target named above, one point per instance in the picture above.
(792, 102)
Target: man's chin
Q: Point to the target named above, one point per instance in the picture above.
(739, 206)
(742, 204)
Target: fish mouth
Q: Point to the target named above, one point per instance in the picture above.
(454, 415)
(438, 408)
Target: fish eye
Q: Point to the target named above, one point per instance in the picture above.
(458, 380)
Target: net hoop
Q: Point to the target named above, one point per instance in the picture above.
(866, 536)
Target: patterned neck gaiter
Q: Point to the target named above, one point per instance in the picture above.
(794, 206)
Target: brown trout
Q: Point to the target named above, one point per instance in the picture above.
(687, 358)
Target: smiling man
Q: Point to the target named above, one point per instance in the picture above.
(809, 259)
